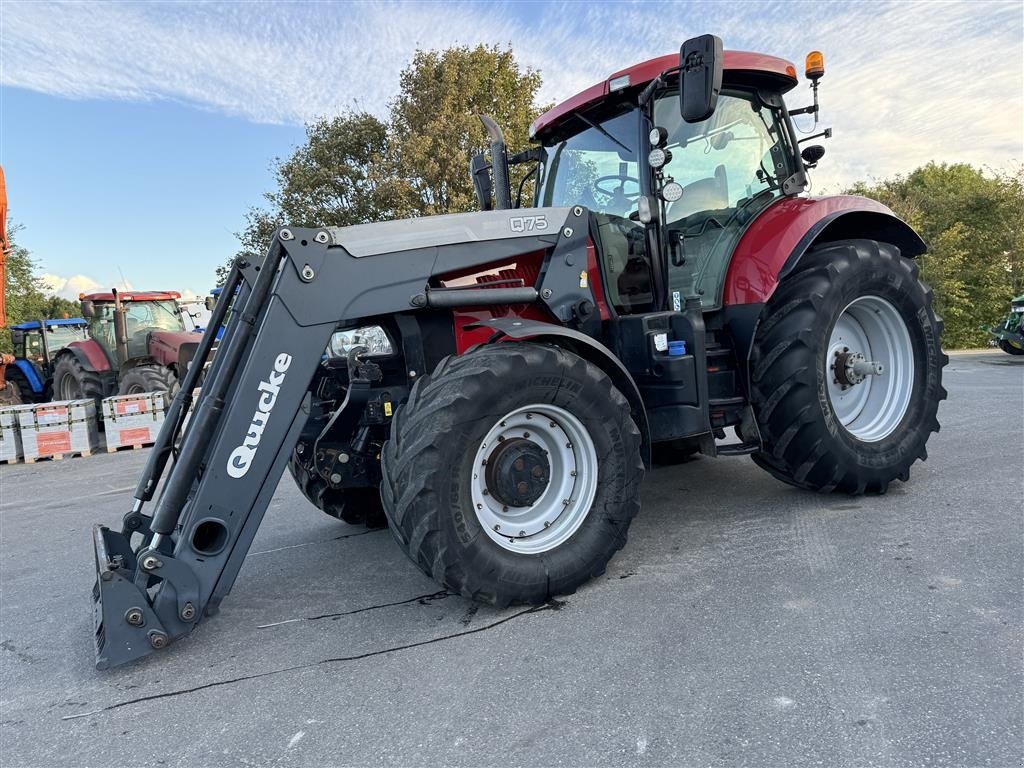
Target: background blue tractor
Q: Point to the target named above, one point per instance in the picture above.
(36, 343)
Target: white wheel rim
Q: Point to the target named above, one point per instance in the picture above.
(871, 408)
(565, 502)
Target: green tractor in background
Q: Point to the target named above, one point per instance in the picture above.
(1009, 334)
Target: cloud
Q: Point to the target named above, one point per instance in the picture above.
(905, 83)
(70, 287)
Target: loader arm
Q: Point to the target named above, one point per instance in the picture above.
(255, 400)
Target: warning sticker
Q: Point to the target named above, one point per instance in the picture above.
(124, 407)
(137, 436)
(53, 442)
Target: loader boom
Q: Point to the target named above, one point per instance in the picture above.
(255, 402)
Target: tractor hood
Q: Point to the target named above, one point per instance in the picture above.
(452, 229)
(167, 346)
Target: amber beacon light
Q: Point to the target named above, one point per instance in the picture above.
(814, 66)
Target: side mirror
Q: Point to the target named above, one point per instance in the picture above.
(17, 338)
(480, 172)
(211, 302)
(812, 154)
(88, 310)
(700, 77)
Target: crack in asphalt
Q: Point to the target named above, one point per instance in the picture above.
(319, 541)
(419, 598)
(550, 606)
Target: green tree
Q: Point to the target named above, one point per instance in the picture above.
(25, 295)
(344, 174)
(435, 121)
(356, 168)
(973, 225)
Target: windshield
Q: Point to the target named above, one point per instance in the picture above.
(730, 166)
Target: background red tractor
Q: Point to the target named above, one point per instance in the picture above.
(138, 343)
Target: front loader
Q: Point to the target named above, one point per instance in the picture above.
(492, 385)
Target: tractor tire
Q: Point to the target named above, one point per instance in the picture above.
(1009, 348)
(25, 392)
(148, 378)
(355, 506)
(71, 381)
(460, 465)
(824, 425)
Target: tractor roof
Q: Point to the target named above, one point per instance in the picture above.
(33, 325)
(134, 296)
(739, 66)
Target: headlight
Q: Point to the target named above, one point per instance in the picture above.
(372, 337)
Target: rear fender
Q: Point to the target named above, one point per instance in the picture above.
(593, 351)
(775, 242)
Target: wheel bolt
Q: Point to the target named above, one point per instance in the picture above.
(573, 473)
(497, 527)
(479, 506)
(526, 434)
(529, 416)
(547, 524)
(522, 533)
(552, 425)
(157, 639)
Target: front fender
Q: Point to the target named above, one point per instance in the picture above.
(584, 346)
(774, 243)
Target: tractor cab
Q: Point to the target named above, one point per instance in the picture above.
(36, 344)
(144, 313)
(672, 196)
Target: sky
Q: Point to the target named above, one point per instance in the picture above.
(134, 137)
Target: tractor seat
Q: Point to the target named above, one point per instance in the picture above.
(711, 194)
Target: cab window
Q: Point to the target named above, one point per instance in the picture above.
(598, 168)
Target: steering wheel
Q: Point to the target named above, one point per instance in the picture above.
(618, 197)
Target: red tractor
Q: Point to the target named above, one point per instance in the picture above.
(496, 382)
(137, 343)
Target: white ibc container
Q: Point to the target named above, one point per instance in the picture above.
(133, 420)
(65, 427)
(10, 434)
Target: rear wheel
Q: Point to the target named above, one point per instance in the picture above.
(71, 381)
(846, 370)
(356, 506)
(148, 378)
(512, 473)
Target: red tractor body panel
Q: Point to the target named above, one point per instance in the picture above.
(786, 228)
(782, 72)
(90, 354)
(164, 345)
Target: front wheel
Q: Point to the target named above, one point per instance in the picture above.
(846, 370)
(512, 473)
(1009, 348)
(148, 378)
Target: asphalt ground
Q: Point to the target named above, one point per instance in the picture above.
(745, 623)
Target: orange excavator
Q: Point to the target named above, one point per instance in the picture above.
(9, 394)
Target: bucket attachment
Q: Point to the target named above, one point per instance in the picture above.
(127, 627)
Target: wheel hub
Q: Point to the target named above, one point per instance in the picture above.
(850, 368)
(534, 478)
(869, 363)
(518, 472)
